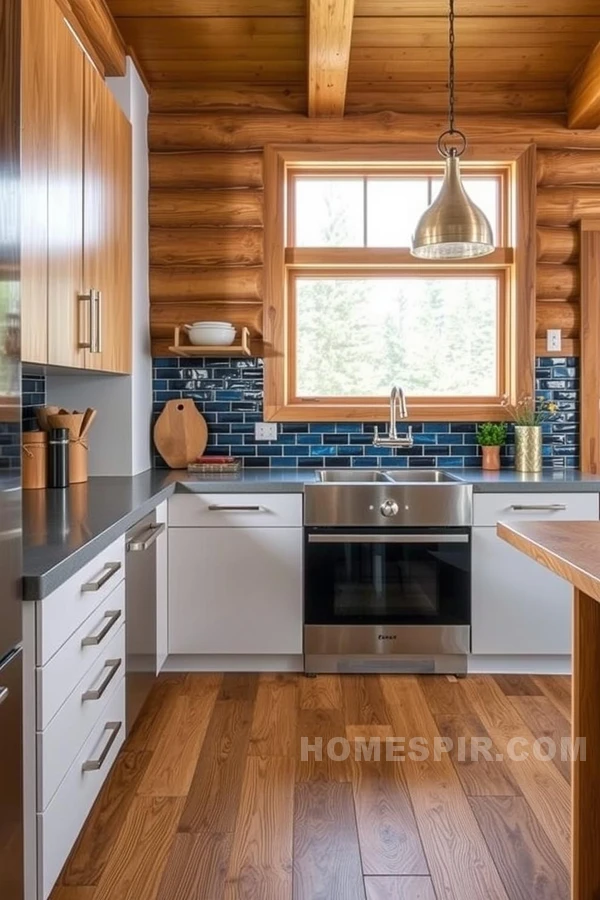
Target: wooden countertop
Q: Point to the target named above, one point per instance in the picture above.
(570, 549)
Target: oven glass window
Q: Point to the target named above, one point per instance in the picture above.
(388, 583)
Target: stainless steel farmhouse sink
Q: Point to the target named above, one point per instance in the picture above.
(350, 476)
(370, 476)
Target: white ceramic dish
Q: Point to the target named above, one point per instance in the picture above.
(211, 334)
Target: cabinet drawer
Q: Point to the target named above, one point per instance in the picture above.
(488, 509)
(56, 680)
(59, 744)
(63, 611)
(59, 825)
(235, 510)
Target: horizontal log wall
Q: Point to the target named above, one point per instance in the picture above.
(206, 200)
(568, 188)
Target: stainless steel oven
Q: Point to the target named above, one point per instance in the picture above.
(387, 597)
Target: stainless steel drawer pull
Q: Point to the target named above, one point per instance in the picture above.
(109, 571)
(94, 639)
(97, 348)
(545, 507)
(145, 540)
(388, 539)
(92, 765)
(3, 694)
(217, 508)
(113, 666)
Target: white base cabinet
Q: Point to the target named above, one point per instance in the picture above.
(235, 590)
(519, 608)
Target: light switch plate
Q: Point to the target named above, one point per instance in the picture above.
(265, 431)
(554, 339)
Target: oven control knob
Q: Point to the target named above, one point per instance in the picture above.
(389, 508)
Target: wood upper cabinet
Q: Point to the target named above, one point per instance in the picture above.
(76, 232)
(66, 316)
(107, 226)
(35, 115)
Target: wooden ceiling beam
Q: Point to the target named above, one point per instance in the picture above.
(100, 30)
(584, 96)
(329, 38)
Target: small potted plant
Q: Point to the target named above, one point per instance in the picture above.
(490, 437)
(528, 415)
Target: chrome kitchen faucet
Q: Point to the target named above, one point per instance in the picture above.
(398, 410)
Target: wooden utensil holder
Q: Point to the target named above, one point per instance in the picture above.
(34, 459)
(78, 461)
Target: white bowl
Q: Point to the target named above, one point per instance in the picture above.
(210, 334)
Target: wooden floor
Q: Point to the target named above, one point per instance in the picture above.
(210, 799)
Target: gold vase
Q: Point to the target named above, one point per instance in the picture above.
(528, 448)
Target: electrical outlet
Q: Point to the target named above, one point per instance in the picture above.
(265, 431)
(554, 339)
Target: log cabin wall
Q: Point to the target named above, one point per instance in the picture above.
(206, 208)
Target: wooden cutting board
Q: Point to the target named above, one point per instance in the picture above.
(180, 433)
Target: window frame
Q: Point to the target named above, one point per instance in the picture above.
(513, 262)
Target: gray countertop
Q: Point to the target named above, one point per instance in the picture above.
(64, 529)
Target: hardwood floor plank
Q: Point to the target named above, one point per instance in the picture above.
(91, 852)
(139, 854)
(319, 726)
(363, 702)
(479, 775)
(175, 758)
(326, 849)
(444, 697)
(261, 858)
(213, 798)
(322, 692)
(239, 686)
(274, 724)
(63, 892)
(545, 721)
(459, 860)
(366, 732)
(524, 856)
(156, 711)
(557, 688)
(542, 785)
(409, 887)
(518, 685)
(387, 830)
(199, 682)
(197, 867)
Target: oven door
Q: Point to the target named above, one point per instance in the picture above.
(387, 600)
(387, 577)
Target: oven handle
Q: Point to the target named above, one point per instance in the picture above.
(388, 539)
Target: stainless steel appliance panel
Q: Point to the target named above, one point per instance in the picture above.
(141, 613)
(388, 504)
(11, 777)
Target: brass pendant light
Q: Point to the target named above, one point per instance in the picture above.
(453, 227)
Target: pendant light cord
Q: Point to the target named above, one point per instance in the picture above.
(445, 148)
(451, 41)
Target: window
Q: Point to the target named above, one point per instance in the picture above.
(351, 312)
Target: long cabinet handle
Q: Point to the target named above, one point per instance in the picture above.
(109, 570)
(3, 694)
(113, 666)
(92, 765)
(149, 537)
(218, 508)
(546, 507)
(98, 304)
(88, 298)
(92, 640)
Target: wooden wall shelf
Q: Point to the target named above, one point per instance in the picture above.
(239, 348)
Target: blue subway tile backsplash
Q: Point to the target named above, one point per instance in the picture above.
(33, 394)
(229, 393)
